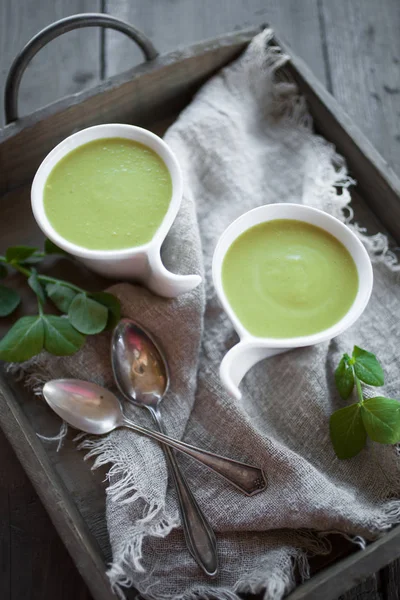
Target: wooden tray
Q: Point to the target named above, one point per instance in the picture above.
(151, 95)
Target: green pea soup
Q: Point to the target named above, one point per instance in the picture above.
(287, 278)
(108, 194)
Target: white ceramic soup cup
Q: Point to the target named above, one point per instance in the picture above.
(252, 349)
(142, 263)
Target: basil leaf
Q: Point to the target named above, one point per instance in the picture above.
(60, 338)
(36, 286)
(9, 300)
(381, 418)
(60, 295)
(19, 253)
(367, 367)
(51, 248)
(344, 378)
(112, 303)
(87, 315)
(3, 271)
(23, 340)
(347, 431)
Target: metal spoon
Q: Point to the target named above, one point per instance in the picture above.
(92, 408)
(141, 374)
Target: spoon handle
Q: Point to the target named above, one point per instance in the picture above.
(248, 479)
(200, 538)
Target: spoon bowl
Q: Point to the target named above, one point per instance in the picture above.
(140, 369)
(84, 405)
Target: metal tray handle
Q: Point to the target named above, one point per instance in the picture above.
(52, 31)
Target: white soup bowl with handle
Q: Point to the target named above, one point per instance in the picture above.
(252, 349)
(142, 263)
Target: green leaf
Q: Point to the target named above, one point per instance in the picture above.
(36, 286)
(381, 418)
(3, 271)
(60, 295)
(87, 315)
(23, 340)
(51, 248)
(344, 378)
(33, 260)
(112, 303)
(9, 300)
(19, 253)
(60, 338)
(347, 431)
(367, 367)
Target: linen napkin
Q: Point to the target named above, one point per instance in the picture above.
(245, 140)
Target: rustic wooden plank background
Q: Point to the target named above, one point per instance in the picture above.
(353, 46)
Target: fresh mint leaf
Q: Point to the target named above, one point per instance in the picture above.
(24, 340)
(9, 300)
(33, 260)
(347, 431)
(112, 303)
(87, 315)
(60, 338)
(381, 418)
(36, 286)
(19, 253)
(344, 378)
(60, 295)
(367, 367)
(51, 248)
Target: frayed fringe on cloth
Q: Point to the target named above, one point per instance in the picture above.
(273, 581)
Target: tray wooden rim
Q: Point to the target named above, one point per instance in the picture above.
(52, 492)
(237, 38)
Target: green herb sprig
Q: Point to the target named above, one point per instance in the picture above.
(378, 417)
(84, 313)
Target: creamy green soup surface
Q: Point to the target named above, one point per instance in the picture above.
(108, 194)
(286, 278)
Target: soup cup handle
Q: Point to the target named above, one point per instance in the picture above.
(239, 360)
(164, 283)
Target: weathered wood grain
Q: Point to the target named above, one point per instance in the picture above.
(155, 81)
(34, 563)
(379, 184)
(143, 96)
(390, 581)
(66, 66)
(363, 49)
(367, 590)
(52, 488)
(183, 22)
(358, 37)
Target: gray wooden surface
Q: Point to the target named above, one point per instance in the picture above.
(353, 46)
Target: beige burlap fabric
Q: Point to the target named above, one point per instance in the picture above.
(246, 140)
